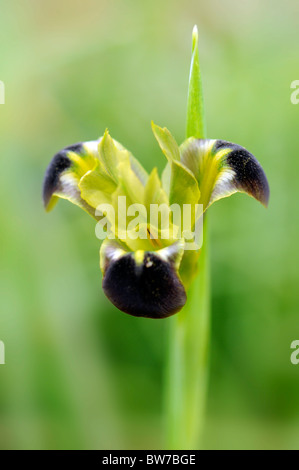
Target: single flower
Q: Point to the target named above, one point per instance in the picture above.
(146, 268)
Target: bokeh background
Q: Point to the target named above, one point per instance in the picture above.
(78, 373)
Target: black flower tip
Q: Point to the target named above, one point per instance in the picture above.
(249, 175)
(58, 165)
(63, 175)
(222, 169)
(144, 284)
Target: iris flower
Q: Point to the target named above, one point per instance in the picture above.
(149, 275)
(150, 266)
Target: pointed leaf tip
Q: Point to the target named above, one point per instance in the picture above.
(195, 109)
(194, 37)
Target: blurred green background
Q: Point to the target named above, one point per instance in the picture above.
(78, 373)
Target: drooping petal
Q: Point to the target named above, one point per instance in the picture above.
(88, 173)
(143, 284)
(64, 173)
(249, 174)
(223, 168)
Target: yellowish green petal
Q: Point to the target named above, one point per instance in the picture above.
(96, 186)
(111, 156)
(179, 181)
(183, 186)
(130, 182)
(154, 193)
(167, 142)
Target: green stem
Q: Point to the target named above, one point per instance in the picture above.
(187, 372)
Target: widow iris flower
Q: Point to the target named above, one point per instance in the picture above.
(148, 276)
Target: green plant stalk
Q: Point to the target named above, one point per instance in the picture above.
(187, 369)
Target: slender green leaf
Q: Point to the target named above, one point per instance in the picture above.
(195, 107)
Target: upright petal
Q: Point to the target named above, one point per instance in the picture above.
(179, 181)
